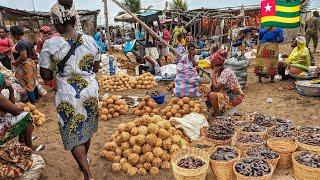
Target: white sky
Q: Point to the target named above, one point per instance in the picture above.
(44, 5)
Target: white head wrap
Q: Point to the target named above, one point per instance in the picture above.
(61, 14)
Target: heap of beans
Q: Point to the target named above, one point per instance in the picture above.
(262, 120)
(309, 159)
(221, 131)
(202, 146)
(253, 128)
(282, 131)
(280, 122)
(250, 139)
(224, 154)
(263, 152)
(191, 163)
(309, 129)
(310, 139)
(253, 167)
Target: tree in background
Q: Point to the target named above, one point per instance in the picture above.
(179, 4)
(133, 5)
(305, 4)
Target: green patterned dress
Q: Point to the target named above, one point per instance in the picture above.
(77, 95)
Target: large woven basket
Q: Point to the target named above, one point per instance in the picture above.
(273, 162)
(245, 146)
(285, 148)
(307, 147)
(203, 141)
(242, 177)
(270, 136)
(216, 142)
(223, 170)
(303, 172)
(190, 174)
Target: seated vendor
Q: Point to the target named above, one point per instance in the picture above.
(189, 58)
(13, 120)
(148, 64)
(225, 91)
(299, 59)
(181, 41)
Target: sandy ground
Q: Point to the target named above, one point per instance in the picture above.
(61, 165)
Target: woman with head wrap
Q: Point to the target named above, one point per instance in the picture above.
(25, 66)
(225, 92)
(268, 52)
(77, 58)
(13, 120)
(299, 59)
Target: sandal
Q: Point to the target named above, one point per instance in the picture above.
(40, 148)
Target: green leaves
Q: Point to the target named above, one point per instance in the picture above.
(179, 4)
(133, 5)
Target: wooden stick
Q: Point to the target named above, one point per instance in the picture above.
(107, 22)
(147, 28)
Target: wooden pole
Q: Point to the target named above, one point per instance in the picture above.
(107, 22)
(147, 28)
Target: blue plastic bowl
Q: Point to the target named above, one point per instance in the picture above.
(159, 99)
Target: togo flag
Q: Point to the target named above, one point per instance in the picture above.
(280, 13)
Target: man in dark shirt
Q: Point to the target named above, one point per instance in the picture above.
(312, 29)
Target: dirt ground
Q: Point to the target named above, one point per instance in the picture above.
(61, 165)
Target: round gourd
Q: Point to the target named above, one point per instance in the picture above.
(118, 152)
(125, 136)
(151, 139)
(142, 171)
(165, 165)
(134, 131)
(111, 146)
(133, 159)
(109, 155)
(136, 149)
(122, 128)
(116, 167)
(157, 162)
(116, 159)
(132, 171)
(146, 148)
(140, 139)
(143, 130)
(158, 152)
(154, 171)
(129, 126)
(126, 153)
(158, 142)
(175, 139)
(165, 157)
(147, 166)
(149, 157)
(123, 161)
(132, 140)
(163, 134)
(153, 128)
(174, 148)
(124, 146)
(125, 167)
(166, 144)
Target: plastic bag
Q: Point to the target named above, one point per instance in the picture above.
(169, 71)
(191, 124)
(35, 171)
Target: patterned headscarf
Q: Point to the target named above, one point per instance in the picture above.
(218, 58)
(60, 14)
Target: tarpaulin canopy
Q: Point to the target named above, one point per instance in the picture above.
(150, 16)
(124, 18)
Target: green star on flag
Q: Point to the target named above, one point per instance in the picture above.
(280, 13)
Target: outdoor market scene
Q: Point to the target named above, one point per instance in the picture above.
(163, 90)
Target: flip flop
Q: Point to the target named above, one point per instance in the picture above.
(40, 148)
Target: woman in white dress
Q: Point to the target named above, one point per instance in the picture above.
(77, 94)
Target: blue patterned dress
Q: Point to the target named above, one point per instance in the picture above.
(77, 95)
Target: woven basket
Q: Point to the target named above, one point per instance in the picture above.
(223, 170)
(245, 146)
(302, 172)
(273, 162)
(242, 177)
(300, 133)
(190, 174)
(307, 147)
(216, 142)
(203, 141)
(270, 136)
(262, 133)
(285, 148)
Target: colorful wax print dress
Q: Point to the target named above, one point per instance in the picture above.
(77, 94)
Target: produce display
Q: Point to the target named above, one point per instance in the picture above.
(170, 87)
(190, 163)
(143, 146)
(282, 131)
(253, 128)
(125, 64)
(262, 152)
(308, 129)
(310, 139)
(224, 154)
(221, 131)
(146, 107)
(129, 100)
(178, 107)
(251, 138)
(112, 107)
(145, 81)
(253, 167)
(263, 120)
(119, 82)
(309, 159)
(38, 117)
